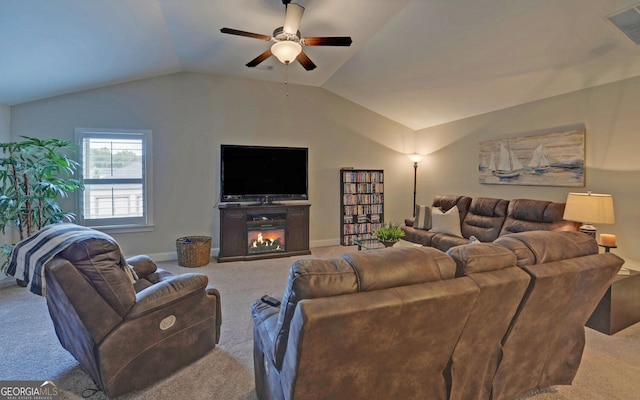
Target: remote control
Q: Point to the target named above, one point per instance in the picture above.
(270, 301)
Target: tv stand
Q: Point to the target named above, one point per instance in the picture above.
(266, 201)
(262, 203)
(258, 231)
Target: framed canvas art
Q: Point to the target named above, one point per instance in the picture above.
(551, 159)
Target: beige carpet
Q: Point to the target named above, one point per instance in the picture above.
(29, 349)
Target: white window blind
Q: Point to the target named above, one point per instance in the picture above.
(116, 166)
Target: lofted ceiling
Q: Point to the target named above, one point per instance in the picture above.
(418, 62)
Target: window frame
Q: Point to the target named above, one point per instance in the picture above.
(121, 224)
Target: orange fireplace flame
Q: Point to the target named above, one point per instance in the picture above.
(272, 242)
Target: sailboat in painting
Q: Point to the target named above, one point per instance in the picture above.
(508, 164)
(488, 165)
(539, 163)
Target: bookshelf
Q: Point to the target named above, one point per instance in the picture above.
(361, 204)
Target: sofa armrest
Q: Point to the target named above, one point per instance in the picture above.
(211, 291)
(265, 321)
(143, 265)
(166, 292)
(409, 221)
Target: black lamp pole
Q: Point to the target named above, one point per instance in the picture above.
(415, 174)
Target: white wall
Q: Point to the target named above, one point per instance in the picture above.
(192, 114)
(5, 123)
(609, 113)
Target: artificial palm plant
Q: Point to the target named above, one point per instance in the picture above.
(34, 175)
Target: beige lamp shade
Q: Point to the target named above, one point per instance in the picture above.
(590, 208)
(415, 157)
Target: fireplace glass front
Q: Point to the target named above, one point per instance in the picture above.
(267, 238)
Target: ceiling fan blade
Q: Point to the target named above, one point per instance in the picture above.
(327, 41)
(244, 33)
(292, 18)
(259, 59)
(305, 61)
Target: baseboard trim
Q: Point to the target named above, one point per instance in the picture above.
(173, 255)
(324, 243)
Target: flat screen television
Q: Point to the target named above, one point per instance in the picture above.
(263, 173)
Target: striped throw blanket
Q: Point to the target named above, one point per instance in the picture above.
(30, 255)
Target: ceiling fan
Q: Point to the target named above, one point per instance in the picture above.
(287, 42)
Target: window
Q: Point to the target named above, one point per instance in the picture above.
(116, 171)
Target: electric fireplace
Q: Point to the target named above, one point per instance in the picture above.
(266, 238)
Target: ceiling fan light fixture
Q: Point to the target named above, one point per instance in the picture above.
(286, 51)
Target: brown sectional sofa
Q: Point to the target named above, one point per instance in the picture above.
(488, 218)
(482, 321)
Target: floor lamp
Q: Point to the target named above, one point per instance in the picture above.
(415, 157)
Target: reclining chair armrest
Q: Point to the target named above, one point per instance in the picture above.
(265, 320)
(211, 291)
(166, 292)
(143, 265)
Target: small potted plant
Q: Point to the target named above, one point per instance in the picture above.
(389, 234)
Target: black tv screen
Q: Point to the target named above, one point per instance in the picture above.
(263, 173)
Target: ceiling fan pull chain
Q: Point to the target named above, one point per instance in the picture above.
(286, 82)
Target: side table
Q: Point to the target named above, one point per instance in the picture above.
(619, 307)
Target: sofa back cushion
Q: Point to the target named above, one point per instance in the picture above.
(384, 344)
(485, 218)
(356, 272)
(535, 215)
(447, 201)
(481, 257)
(502, 286)
(546, 339)
(308, 279)
(538, 247)
(568, 278)
(395, 267)
(100, 261)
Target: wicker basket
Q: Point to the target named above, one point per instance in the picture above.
(194, 251)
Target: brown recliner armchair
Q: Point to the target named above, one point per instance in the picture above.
(127, 335)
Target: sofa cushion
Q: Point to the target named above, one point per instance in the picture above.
(481, 257)
(423, 217)
(419, 236)
(447, 201)
(535, 215)
(485, 218)
(308, 279)
(399, 266)
(537, 247)
(444, 242)
(446, 222)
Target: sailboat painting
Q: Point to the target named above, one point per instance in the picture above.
(551, 159)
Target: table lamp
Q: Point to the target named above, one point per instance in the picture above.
(589, 208)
